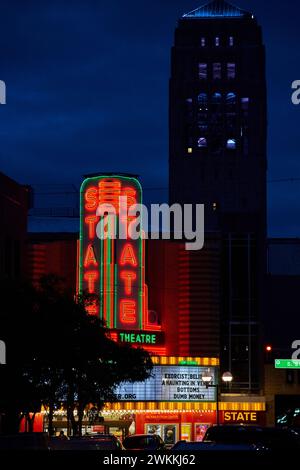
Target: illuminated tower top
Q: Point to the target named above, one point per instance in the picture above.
(217, 9)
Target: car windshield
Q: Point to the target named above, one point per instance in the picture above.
(233, 435)
(140, 442)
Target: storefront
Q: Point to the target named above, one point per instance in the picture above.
(177, 405)
(174, 425)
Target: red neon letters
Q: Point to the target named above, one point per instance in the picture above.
(90, 257)
(91, 277)
(91, 222)
(128, 311)
(128, 277)
(128, 257)
(91, 200)
(112, 267)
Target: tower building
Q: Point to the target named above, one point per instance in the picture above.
(218, 135)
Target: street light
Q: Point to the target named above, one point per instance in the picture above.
(227, 377)
(207, 378)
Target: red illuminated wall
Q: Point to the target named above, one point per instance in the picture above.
(162, 276)
(184, 290)
(53, 253)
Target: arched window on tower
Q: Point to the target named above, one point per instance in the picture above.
(217, 71)
(203, 102)
(216, 98)
(231, 102)
(202, 142)
(231, 98)
(231, 71)
(231, 144)
(202, 71)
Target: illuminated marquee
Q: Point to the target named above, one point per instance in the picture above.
(170, 383)
(111, 266)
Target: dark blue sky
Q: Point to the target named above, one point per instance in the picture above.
(87, 91)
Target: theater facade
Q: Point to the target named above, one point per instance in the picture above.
(174, 402)
(154, 294)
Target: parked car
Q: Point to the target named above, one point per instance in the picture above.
(149, 442)
(269, 439)
(25, 441)
(107, 442)
(185, 446)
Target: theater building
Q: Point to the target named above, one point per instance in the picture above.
(142, 286)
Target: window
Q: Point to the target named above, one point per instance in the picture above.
(202, 71)
(231, 144)
(231, 98)
(189, 105)
(202, 99)
(203, 122)
(217, 71)
(231, 41)
(190, 150)
(245, 104)
(202, 142)
(231, 71)
(217, 41)
(216, 98)
(203, 42)
(203, 102)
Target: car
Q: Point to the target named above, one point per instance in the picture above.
(149, 442)
(36, 441)
(106, 442)
(269, 439)
(185, 446)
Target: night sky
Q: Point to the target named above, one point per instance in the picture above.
(87, 91)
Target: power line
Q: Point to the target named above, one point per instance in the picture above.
(77, 191)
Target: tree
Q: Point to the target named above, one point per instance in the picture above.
(59, 354)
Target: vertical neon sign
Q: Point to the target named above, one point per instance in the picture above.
(110, 267)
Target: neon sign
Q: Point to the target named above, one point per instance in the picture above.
(111, 266)
(240, 417)
(140, 338)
